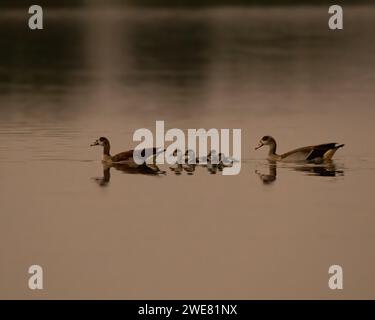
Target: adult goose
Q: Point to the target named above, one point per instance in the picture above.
(315, 154)
(126, 157)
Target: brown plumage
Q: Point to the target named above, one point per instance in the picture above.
(122, 157)
(317, 153)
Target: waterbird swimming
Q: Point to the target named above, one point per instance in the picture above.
(127, 157)
(315, 154)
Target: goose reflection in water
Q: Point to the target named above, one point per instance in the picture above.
(328, 169)
(145, 169)
(271, 176)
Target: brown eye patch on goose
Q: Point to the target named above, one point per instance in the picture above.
(265, 138)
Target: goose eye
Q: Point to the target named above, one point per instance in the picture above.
(265, 138)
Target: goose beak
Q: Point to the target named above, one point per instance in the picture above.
(259, 145)
(96, 143)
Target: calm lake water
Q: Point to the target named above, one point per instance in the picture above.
(265, 233)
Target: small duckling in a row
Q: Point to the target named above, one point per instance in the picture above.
(212, 158)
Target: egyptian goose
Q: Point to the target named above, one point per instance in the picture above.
(316, 154)
(126, 157)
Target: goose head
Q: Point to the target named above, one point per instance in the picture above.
(266, 141)
(102, 141)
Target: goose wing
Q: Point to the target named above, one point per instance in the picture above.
(309, 152)
(129, 155)
(123, 156)
(142, 169)
(299, 154)
(319, 150)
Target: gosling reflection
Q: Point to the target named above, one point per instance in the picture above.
(145, 169)
(328, 169)
(189, 168)
(177, 169)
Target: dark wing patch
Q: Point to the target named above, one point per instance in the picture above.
(151, 150)
(123, 156)
(128, 155)
(319, 150)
